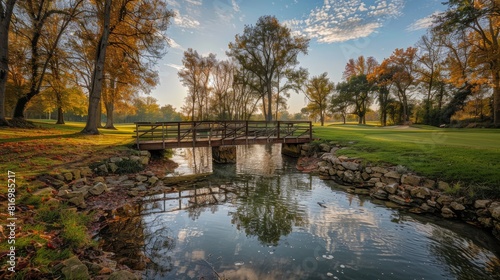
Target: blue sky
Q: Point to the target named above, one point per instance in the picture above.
(338, 29)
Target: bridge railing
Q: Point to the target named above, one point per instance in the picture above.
(193, 131)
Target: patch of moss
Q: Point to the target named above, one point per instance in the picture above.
(128, 166)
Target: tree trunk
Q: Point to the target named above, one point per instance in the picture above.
(269, 116)
(110, 108)
(496, 98)
(5, 18)
(98, 75)
(60, 115)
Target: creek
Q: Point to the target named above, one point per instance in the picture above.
(262, 219)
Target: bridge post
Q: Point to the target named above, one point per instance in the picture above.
(224, 154)
(291, 149)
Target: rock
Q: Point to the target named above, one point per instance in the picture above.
(495, 212)
(77, 174)
(133, 193)
(380, 194)
(392, 188)
(374, 181)
(123, 275)
(483, 213)
(44, 192)
(135, 158)
(380, 185)
(421, 192)
(141, 178)
(349, 165)
(98, 188)
(99, 179)
(377, 169)
(368, 170)
(145, 154)
(365, 176)
(399, 200)
(392, 174)
(443, 186)
(127, 184)
(332, 171)
(444, 200)
(115, 159)
(417, 210)
(63, 193)
(86, 171)
(447, 213)
(457, 206)
(348, 176)
(68, 176)
(361, 191)
(486, 222)
(144, 160)
(430, 184)
(113, 167)
(425, 207)
(357, 177)
(103, 168)
(73, 268)
(482, 203)
(432, 203)
(78, 201)
(93, 268)
(105, 270)
(324, 147)
(153, 180)
(411, 180)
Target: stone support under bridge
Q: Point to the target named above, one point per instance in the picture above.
(291, 149)
(224, 154)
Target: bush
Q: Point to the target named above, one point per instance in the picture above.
(128, 166)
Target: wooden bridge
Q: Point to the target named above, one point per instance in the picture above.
(165, 135)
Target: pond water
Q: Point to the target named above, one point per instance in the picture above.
(262, 219)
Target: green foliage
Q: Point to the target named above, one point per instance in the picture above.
(128, 166)
(44, 256)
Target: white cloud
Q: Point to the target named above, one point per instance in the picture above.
(185, 21)
(175, 66)
(423, 23)
(195, 2)
(173, 44)
(340, 21)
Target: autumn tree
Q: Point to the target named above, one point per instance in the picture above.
(196, 76)
(318, 90)
(404, 78)
(147, 20)
(6, 11)
(268, 50)
(381, 79)
(340, 104)
(481, 20)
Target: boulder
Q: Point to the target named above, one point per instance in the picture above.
(444, 200)
(392, 174)
(421, 192)
(115, 159)
(349, 165)
(86, 171)
(482, 203)
(443, 186)
(380, 194)
(145, 154)
(113, 167)
(495, 210)
(447, 213)
(153, 180)
(44, 192)
(144, 160)
(486, 221)
(411, 180)
(77, 174)
(98, 188)
(399, 200)
(457, 206)
(324, 147)
(73, 268)
(141, 178)
(391, 188)
(103, 168)
(428, 183)
(377, 169)
(349, 176)
(68, 176)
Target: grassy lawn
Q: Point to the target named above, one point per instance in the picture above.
(465, 156)
(51, 147)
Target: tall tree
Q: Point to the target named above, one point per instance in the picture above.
(268, 50)
(318, 91)
(404, 78)
(6, 10)
(482, 19)
(37, 19)
(381, 78)
(144, 21)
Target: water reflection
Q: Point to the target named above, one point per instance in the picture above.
(286, 225)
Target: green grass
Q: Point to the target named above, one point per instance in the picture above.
(470, 156)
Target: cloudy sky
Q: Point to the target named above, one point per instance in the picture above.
(338, 29)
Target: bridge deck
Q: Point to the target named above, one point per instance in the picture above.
(165, 135)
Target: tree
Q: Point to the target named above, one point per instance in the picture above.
(196, 77)
(267, 50)
(318, 90)
(37, 19)
(340, 103)
(6, 10)
(403, 64)
(381, 78)
(119, 20)
(482, 19)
